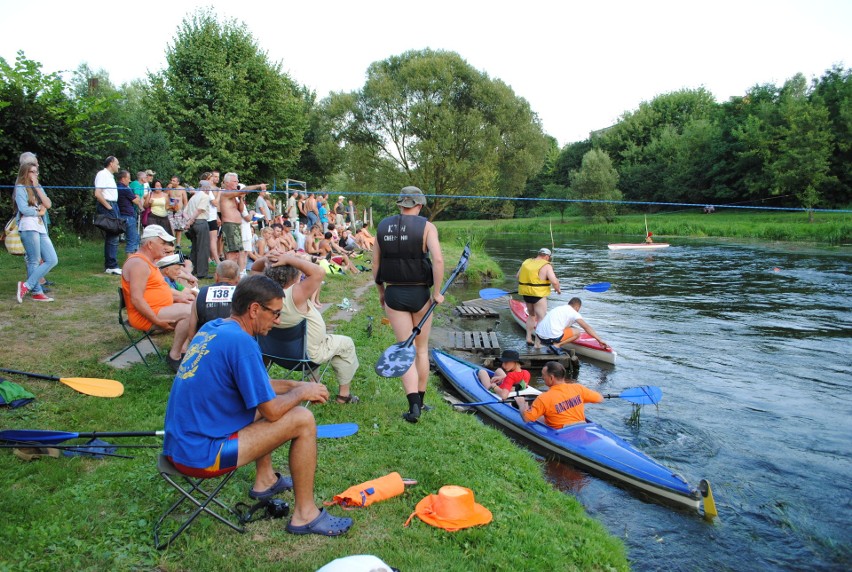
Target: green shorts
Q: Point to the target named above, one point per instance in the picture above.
(233, 236)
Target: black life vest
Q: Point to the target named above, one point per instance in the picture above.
(403, 261)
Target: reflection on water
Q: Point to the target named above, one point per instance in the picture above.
(757, 397)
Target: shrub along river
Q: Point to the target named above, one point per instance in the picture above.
(750, 343)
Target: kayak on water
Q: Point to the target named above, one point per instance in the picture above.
(638, 246)
(585, 345)
(585, 445)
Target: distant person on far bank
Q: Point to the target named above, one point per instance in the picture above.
(535, 279)
(407, 261)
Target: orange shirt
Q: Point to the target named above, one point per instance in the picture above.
(562, 404)
(157, 294)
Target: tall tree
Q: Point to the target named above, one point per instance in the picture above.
(449, 128)
(225, 105)
(597, 180)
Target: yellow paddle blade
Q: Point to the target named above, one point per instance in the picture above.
(94, 386)
(710, 511)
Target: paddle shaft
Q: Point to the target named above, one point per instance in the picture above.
(459, 267)
(28, 374)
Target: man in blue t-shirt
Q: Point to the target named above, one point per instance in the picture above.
(224, 411)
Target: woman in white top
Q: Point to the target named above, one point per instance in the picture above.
(32, 203)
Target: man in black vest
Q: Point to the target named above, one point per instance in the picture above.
(407, 260)
(214, 301)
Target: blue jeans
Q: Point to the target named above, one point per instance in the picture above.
(131, 235)
(110, 240)
(313, 218)
(41, 257)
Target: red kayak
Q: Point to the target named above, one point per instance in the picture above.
(586, 345)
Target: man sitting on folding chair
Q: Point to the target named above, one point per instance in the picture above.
(322, 347)
(224, 411)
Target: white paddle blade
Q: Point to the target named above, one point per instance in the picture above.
(396, 360)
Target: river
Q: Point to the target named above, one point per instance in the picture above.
(750, 344)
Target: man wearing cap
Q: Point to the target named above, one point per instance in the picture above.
(106, 193)
(506, 376)
(562, 403)
(535, 278)
(150, 301)
(407, 260)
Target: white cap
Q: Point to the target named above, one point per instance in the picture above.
(545, 251)
(156, 231)
(169, 260)
(341, 197)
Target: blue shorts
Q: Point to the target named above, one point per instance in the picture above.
(226, 460)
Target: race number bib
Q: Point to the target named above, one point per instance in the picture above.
(219, 294)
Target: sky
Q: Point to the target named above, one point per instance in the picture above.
(580, 65)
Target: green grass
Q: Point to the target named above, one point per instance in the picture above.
(827, 228)
(72, 513)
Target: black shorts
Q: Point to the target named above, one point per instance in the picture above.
(407, 298)
(213, 225)
(532, 299)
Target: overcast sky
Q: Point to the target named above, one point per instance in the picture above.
(579, 64)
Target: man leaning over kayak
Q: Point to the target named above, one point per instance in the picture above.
(562, 403)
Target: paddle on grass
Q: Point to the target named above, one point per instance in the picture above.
(335, 431)
(397, 359)
(492, 293)
(88, 385)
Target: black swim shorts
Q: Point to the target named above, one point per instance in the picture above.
(532, 299)
(407, 298)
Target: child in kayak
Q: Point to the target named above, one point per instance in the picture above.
(506, 376)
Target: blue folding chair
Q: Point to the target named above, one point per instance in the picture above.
(288, 348)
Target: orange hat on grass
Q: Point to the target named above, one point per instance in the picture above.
(453, 508)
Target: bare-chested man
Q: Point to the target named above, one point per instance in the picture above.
(230, 209)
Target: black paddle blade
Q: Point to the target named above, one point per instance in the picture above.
(396, 360)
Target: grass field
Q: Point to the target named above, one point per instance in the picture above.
(84, 514)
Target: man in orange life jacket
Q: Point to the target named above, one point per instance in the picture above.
(535, 278)
(562, 403)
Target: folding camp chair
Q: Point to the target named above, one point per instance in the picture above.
(201, 498)
(135, 339)
(288, 348)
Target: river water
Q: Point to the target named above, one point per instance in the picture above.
(750, 343)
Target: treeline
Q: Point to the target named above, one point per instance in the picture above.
(426, 118)
(788, 146)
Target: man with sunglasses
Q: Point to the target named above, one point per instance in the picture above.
(150, 301)
(224, 411)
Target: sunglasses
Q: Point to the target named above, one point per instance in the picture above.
(275, 313)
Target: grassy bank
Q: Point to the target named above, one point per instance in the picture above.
(827, 228)
(73, 513)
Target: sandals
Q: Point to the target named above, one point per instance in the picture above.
(284, 483)
(344, 399)
(324, 524)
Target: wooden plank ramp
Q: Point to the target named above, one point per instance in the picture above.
(476, 342)
(476, 312)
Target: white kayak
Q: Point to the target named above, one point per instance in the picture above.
(638, 246)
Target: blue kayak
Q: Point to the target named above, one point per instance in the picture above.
(585, 445)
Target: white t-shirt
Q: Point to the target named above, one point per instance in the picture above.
(106, 181)
(213, 211)
(556, 320)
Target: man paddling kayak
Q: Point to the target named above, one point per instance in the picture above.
(562, 403)
(535, 278)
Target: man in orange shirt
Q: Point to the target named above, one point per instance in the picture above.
(560, 405)
(150, 301)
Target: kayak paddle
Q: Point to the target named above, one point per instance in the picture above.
(87, 385)
(492, 293)
(644, 395)
(51, 437)
(479, 403)
(397, 359)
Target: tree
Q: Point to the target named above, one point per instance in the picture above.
(225, 105)
(597, 180)
(448, 128)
